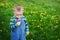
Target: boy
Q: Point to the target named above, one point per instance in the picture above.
(18, 24)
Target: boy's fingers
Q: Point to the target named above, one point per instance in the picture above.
(18, 23)
(27, 33)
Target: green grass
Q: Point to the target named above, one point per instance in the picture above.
(43, 18)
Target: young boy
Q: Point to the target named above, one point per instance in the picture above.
(18, 24)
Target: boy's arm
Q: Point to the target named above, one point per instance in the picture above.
(12, 25)
(26, 25)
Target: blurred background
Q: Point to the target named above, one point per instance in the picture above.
(43, 17)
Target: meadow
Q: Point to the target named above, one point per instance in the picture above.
(43, 17)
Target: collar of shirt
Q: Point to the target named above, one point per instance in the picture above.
(17, 18)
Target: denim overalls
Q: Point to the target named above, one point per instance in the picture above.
(18, 33)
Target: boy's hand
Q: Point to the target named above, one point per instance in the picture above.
(27, 33)
(18, 23)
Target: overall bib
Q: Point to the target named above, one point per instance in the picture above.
(18, 33)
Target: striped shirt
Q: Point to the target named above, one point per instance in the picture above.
(13, 25)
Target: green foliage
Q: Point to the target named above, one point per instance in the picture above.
(42, 15)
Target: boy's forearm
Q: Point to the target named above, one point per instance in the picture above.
(12, 25)
(27, 28)
(26, 25)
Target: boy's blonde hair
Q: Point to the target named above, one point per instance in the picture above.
(18, 7)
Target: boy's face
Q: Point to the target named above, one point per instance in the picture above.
(19, 13)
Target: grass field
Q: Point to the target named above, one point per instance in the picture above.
(43, 18)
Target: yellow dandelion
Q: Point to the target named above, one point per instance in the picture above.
(29, 15)
(2, 22)
(35, 7)
(47, 15)
(53, 17)
(32, 20)
(38, 26)
(34, 12)
(0, 30)
(31, 12)
(56, 26)
(31, 39)
(52, 28)
(40, 20)
(57, 22)
(58, 39)
(7, 3)
(42, 13)
(1, 4)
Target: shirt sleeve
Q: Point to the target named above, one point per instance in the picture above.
(12, 25)
(26, 25)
